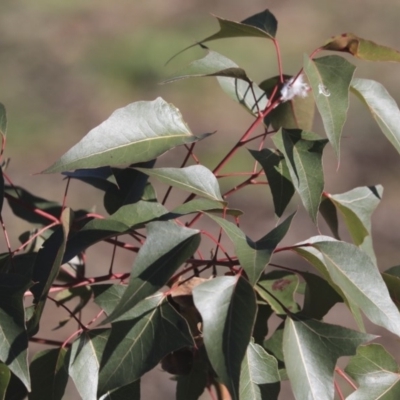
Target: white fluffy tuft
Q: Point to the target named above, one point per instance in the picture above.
(292, 88)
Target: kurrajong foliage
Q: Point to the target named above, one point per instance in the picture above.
(204, 318)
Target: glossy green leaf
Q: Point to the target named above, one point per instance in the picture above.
(376, 372)
(330, 79)
(278, 176)
(154, 330)
(222, 303)
(361, 48)
(3, 119)
(126, 218)
(258, 369)
(344, 262)
(130, 391)
(139, 132)
(311, 349)
(303, 155)
(319, 296)
(277, 288)
(382, 107)
(254, 256)
(84, 362)
(108, 296)
(46, 268)
(167, 247)
(297, 113)
(213, 64)
(5, 376)
(195, 179)
(49, 374)
(356, 207)
(13, 337)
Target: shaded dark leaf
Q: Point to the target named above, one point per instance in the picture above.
(49, 374)
(278, 176)
(167, 247)
(154, 330)
(227, 335)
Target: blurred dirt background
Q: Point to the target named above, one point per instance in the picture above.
(66, 66)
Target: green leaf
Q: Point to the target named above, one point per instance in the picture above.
(5, 376)
(131, 186)
(84, 363)
(311, 349)
(192, 385)
(382, 107)
(297, 113)
(200, 205)
(303, 155)
(226, 333)
(319, 296)
(260, 330)
(16, 390)
(46, 268)
(263, 25)
(361, 48)
(357, 206)
(316, 259)
(139, 132)
(101, 178)
(130, 391)
(108, 296)
(18, 198)
(167, 247)
(13, 337)
(195, 179)
(213, 64)
(330, 79)
(274, 343)
(278, 176)
(376, 372)
(258, 369)
(154, 330)
(253, 256)
(277, 288)
(391, 278)
(250, 96)
(126, 218)
(367, 290)
(329, 213)
(49, 374)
